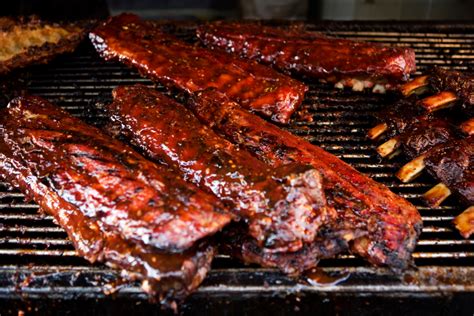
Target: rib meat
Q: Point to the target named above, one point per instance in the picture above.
(168, 60)
(36, 150)
(460, 83)
(390, 224)
(453, 164)
(281, 216)
(311, 54)
(25, 41)
(107, 180)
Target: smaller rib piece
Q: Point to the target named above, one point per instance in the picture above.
(452, 164)
(311, 54)
(25, 41)
(172, 62)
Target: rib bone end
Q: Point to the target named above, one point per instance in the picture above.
(417, 86)
(376, 131)
(389, 147)
(438, 101)
(437, 194)
(464, 222)
(411, 170)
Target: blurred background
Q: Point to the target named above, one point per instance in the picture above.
(314, 10)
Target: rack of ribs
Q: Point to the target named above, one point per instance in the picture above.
(116, 206)
(436, 143)
(342, 62)
(28, 40)
(172, 62)
(283, 208)
(379, 225)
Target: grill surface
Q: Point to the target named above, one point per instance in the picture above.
(38, 263)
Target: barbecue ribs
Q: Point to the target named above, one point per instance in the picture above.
(25, 41)
(116, 207)
(343, 62)
(172, 62)
(281, 217)
(381, 226)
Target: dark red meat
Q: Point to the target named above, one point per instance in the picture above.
(389, 224)
(32, 132)
(168, 60)
(107, 180)
(281, 217)
(310, 54)
(423, 135)
(462, 84)
(453, 164)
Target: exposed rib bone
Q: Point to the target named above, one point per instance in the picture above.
(417, 85)
(376, 131)
(467, 127)
(438, 101)
(437, 194)
(464, 222)
(411, 170)
(389, 147)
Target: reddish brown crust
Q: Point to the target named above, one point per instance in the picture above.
(170, 61)
(310, 54)
(107, 180)
(391, 223)
(44, 53)
(452, 164)
(167, 276)
(280, 217)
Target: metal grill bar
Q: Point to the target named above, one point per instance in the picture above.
(31, 243)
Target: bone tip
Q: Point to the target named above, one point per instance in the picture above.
(377, 131)
(436, 195)
(464, 222)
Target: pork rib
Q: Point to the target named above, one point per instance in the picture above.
(280, 217)
(31, 134)
(28, 40)
(312, 54)
(168, 60)
(389, 224)
(107, 180)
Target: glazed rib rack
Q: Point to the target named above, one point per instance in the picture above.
(36, 257)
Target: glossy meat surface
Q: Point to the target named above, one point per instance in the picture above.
(108, 181)
(170, 61)
(424, 135)
(28, 40)
(164, 276)
(280, 216)
(401, 115)
(453, 164)
(389, 224)
(310, 54)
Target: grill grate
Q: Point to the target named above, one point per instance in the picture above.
(36, 258)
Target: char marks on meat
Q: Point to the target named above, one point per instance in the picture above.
(389, 224)
(310, 54)
(453, 164)
(25, 41)
(170, 61)
(283, 208)
(116, 207)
